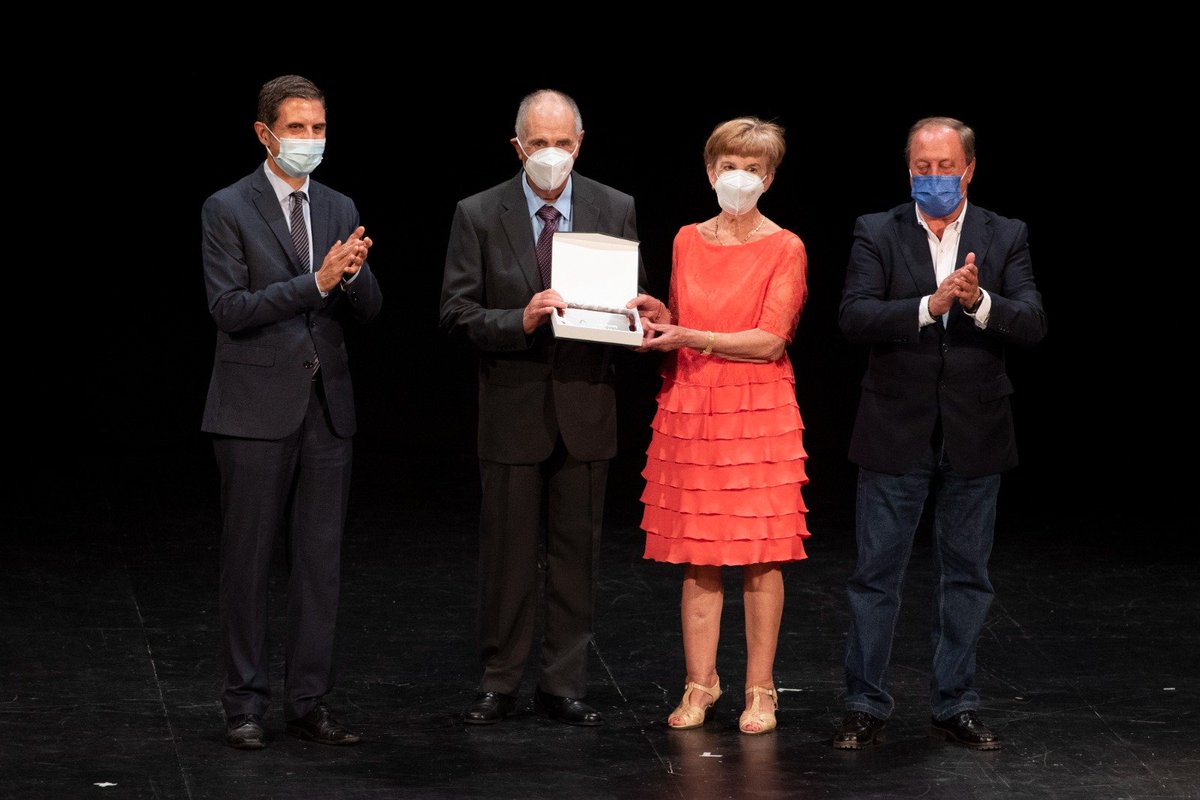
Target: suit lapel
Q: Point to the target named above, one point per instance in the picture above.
(914, 242)
(976, 237)
(514, 216)
(586, 214)
(272, 213)
(585, 218)
(318, 214)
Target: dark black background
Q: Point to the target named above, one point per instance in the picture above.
(116, 342)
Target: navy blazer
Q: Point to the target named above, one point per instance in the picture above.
(271, 317)
(954, 372)
(531, 388)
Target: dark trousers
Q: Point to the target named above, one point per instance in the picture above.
(297, 487)
(888, 511)
(557, 504)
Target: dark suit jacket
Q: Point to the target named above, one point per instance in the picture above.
(271, 317)
(531, 388)
(957, 372)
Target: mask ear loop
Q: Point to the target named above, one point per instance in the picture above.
(268, 129)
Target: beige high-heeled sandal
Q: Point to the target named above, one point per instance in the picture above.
(691, 716)
(765, 719)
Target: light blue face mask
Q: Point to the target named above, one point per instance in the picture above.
(937, 195)
(298, 157)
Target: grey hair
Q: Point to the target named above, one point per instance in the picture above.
(965, 134)
(522, 125)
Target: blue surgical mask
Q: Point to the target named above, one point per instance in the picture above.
(937, 195)
(298, 157)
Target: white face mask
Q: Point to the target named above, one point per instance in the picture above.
(298, 157)
(738, 191)
(549, 167)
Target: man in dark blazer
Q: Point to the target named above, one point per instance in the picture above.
(547, 413)
(937, 289)
(284, 267)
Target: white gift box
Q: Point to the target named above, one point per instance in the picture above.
(596, 275)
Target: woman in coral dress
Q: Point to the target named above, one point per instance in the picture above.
(725, 465)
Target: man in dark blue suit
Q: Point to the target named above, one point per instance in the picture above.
(547, 412)
(937, 288)
(284, 268)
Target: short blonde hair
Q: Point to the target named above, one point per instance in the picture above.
(748, 137)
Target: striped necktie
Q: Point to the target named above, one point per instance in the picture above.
(300, 232)
(300, 243)
(549, 215)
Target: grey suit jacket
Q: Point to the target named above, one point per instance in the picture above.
(271, 317)
(957, 372)
(531, 388)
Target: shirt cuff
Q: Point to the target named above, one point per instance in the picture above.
(923, 316)
(981, 314)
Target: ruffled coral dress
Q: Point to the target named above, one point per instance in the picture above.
(725, 465)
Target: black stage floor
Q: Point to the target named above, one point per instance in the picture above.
(1088, 667)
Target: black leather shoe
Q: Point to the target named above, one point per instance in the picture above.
(319, 726)
(858, 729)
(245, 732)
(965, 729)
(489, 708)
(566, 709)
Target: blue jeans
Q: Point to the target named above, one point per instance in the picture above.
(888, 510)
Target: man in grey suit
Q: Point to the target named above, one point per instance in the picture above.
(284, 268)
(547, 412)
(938, 288)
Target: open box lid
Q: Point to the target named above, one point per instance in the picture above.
(597, 274)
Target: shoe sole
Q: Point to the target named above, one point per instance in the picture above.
(856, 745)
(542, 712)
(579, 724)
(468, 721)
(242, 742)
(307, 737)
(938, 733)
(247, 745)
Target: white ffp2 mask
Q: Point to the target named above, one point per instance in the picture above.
(738, 191)
(549, 167)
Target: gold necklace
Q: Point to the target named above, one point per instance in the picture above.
(717, 228)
